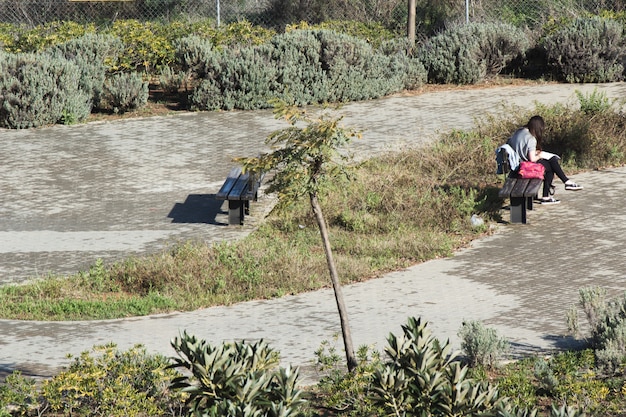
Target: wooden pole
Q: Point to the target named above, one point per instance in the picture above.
(411, 25)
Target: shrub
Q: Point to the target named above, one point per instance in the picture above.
(469, 53)
(129, 383)
(123, 92)
(147, 45)
(93, 53)
(37, 90)
(607, 320)
(346, 392)
(49, 34)
(372, 32)
(482, 345)
(172, 82)
(413, 72)
(19, 395)
(103, 381)
(587, 50)
(299, 67)
(246, 80)
(196, 56)
(354, 70)
(422, 377)
(235, 379)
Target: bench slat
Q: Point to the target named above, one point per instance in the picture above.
(507, 188)
(520, 187)
(533, 187)
(228, 185)
(240, 188)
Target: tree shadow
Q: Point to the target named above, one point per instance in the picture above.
(198, 208)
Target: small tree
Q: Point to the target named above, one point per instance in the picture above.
(304, 159)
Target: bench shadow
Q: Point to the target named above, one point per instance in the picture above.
(198, 208)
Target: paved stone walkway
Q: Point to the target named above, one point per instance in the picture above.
(71, 195)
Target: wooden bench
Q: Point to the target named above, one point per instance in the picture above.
(520, 191)
(238, 189)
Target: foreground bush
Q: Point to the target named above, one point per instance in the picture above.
(105, 382)
(37, 90)
(235, 379)
(587, 50)
(607, 327)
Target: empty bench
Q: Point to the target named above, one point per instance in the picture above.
(239, 189)
(520, 191)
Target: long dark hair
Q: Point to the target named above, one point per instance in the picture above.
(535, 126)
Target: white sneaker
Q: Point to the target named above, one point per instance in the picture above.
(572, 186)
(550, 200)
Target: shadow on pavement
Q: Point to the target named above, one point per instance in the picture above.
(198, 208)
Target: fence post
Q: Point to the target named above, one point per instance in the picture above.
(410, 27)
(466, 11)
(218, 13)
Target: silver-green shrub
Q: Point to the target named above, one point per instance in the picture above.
(469, 53)
(235, 379)
(37, 90)
(245, 79)
(123, 92)
(482, 345)
(589, 49)
(172, 81)
(303, 67)
(355, 71)
(411, 68)
(300, 74)
(93, 53)
(196, 56)
(607, 322)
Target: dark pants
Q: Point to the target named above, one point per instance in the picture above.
(552, 167)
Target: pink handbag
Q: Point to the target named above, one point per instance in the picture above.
(529, 169)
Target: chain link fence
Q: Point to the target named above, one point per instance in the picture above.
(431, 14)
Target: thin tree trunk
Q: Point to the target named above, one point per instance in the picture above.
(334, 277)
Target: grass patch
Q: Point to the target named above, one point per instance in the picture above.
(400, 209)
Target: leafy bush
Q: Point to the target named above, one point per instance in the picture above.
(587, 50)
(482, 345)
(123, 92)
(372, 32)
(469, 53)
(147, 45)
(235, 379)
(37, 90)
(44, 36)
(422, 377)
(93, 53)
(103, 381)
(346, 392)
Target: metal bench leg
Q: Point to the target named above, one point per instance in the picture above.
(235, 212)
(518, 210)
